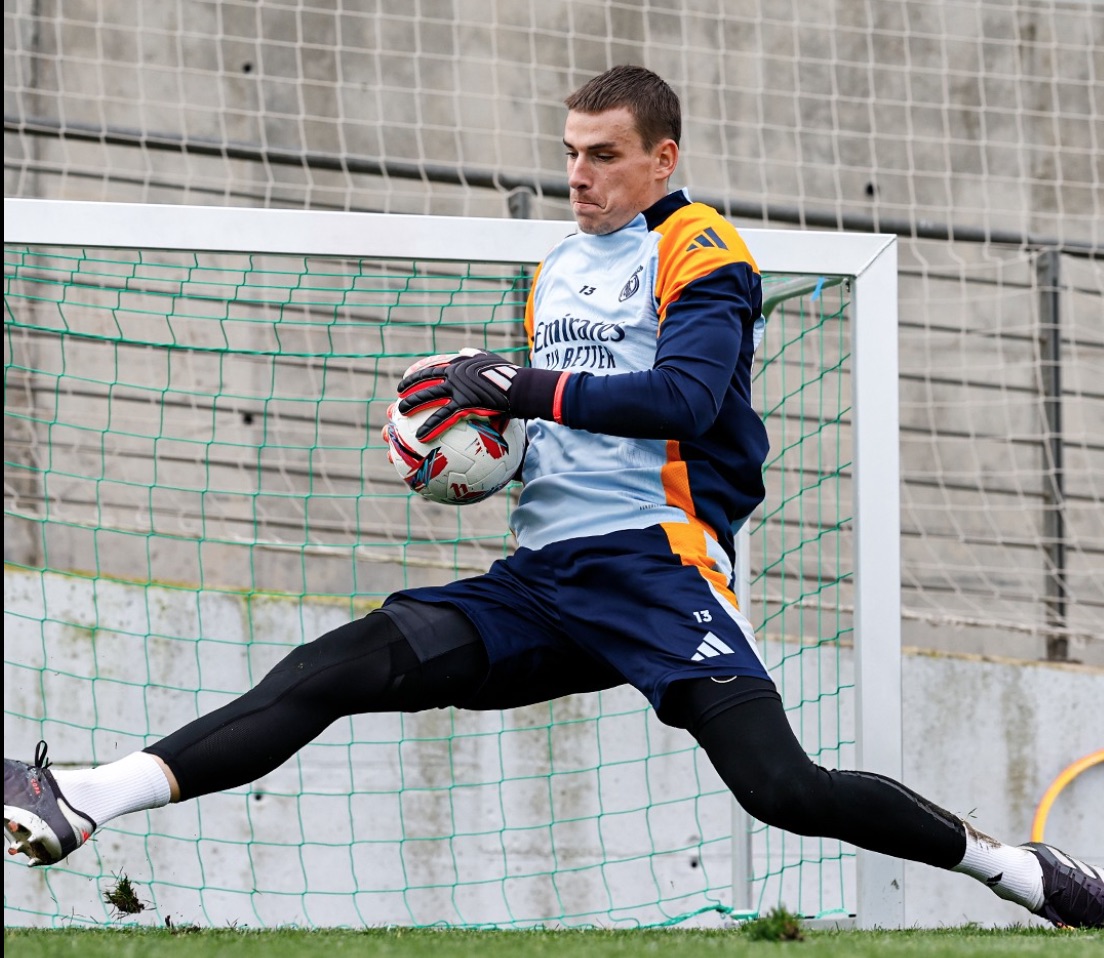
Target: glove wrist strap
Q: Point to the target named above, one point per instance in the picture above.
(538, 394)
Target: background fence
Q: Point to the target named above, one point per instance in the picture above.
(972, 128)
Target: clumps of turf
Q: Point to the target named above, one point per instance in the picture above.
(123, 897)
(776, 925)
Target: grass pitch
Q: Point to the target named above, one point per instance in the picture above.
(190, 942)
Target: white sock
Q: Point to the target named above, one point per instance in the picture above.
(131, 784)
(1012, 872)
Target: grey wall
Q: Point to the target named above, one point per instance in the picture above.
(586, 810)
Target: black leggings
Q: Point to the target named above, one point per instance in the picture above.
(758, 757)
(364, 666)
(369, 666)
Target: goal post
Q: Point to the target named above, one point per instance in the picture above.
(186, 387)
(869, 264)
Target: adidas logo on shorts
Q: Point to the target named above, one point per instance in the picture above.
(710, 646)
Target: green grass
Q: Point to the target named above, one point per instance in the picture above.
(189, 942)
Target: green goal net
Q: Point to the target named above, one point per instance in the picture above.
(195, 482)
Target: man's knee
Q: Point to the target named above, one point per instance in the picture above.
(792, 798)
(340, 670)
(349, 643)
(426, 657)
(744, 730)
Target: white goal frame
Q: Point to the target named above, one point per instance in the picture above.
(868, 259)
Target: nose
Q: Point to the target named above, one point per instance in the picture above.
(578, 173)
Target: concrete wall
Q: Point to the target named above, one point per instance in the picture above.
(583, 811)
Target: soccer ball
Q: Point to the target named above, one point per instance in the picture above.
(467, 463)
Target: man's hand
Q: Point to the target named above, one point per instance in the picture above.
(478, 383)
(475, 383)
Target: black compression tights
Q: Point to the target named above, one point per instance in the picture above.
(364, 666)
(759, 758)
(368, 666)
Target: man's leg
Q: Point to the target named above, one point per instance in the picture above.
(743, 729)
(369, 665)
(365, 666)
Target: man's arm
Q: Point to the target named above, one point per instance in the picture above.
(707, 309)
(698, 348)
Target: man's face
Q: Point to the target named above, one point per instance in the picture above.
(611, 176)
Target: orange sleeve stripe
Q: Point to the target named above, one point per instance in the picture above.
(529, 307)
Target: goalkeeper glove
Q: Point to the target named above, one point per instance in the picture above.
(478, 383)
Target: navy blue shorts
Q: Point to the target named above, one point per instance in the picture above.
(642, 606)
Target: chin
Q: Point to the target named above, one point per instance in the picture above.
(592, 228)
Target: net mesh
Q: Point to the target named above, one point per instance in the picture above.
(801, 569)
(195, 481)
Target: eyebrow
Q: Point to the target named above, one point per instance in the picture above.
(604, 145)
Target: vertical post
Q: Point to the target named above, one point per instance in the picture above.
(741, 820)
(519, 203)
(1054, 493)
(877, 563)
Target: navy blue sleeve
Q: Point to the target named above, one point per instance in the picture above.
(699, 346)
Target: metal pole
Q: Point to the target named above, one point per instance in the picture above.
(1054, 527)
(877, 564)
(519, 204)
(487, 178)
(743, 898)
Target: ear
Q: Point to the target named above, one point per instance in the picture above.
(666, 154)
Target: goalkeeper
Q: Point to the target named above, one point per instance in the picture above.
(645, 455)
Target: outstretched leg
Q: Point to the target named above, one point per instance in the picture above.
(743, 729)
(368, 665)
(364, 666)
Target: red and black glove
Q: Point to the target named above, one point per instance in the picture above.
(478, 383)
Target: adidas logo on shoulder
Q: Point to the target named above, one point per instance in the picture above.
(708, 239)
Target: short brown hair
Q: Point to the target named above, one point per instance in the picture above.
(654, 105)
